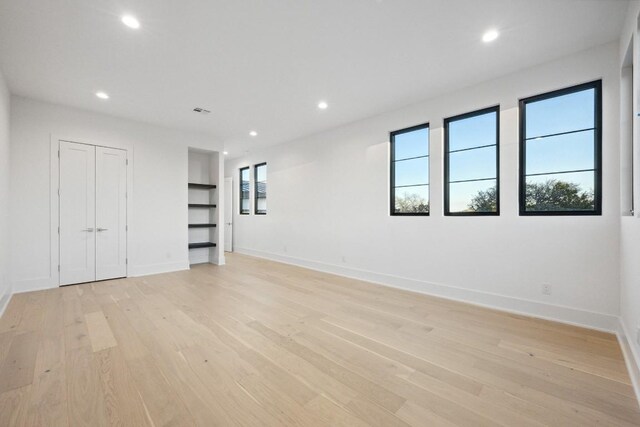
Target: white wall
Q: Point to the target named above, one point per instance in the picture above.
(328, 209)
(630, 225)
(5, 276)
(158, 206)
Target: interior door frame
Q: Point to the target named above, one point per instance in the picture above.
(54, 198)
(228, 188)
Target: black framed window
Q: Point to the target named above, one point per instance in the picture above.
(410, 171)
(561, 152)
(471, 163)
(244, 191)
(260, 188)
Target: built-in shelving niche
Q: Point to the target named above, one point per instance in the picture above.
(205, 170)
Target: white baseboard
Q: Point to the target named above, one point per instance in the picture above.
(4, 302)
(573, 316)
(631, 356)
(146, 270)
(204, 256)
(37, 284)
(199, 259)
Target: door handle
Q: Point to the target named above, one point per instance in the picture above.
(88, 230)
(103, 229)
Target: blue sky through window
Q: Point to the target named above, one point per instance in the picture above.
(411, 171)
(261, 173)
(472, 158)
(560, 141)
(573, 112)
(564, 113)
(412, 144)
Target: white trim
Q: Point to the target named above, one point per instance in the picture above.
(631, 357)
(43, 283)
(200, 258)
(206, 259)
(573, 316)
(37, 284)
(229, 186)
(4, 302)
(53, 280)
(146, 270)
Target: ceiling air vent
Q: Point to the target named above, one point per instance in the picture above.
(201, 110)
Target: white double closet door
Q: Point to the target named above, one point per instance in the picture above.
(93, 213)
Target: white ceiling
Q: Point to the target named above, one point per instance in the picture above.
(264, 65)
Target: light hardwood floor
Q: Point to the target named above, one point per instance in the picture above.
(262, 343)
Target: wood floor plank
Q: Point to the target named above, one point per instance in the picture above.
(374, 415)
(333, 414)
(203, 405)
(76, 333)
(531, 359)
(416, 415)
(13, 313)
(123, 403)
(434, 395)
(14, 406)
(578, 413)
(100, 332)
(5, 344)
(279, 405)
(238, 336)
(32, 315)
(618, 408)
(261, 343)
(48, 397)
(85, 398)
(126, 337)
(438, 372)
(160, 399)
(376, 393)
(541, 413)
(19, 364)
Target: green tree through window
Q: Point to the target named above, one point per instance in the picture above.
(411, 203)
(549, 196)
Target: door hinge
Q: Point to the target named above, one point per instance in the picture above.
(58, 153)
(58, 268)
(58, 230)
(126, 261)
(126, 228)
(58, 192)
(127, 162)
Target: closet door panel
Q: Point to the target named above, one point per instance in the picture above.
(111, 213)
(77, 213)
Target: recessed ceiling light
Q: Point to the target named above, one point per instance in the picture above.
(102, 95)
(323, 105)
(131, 21)
(225, 152)
(490, 36)
(253, 133)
